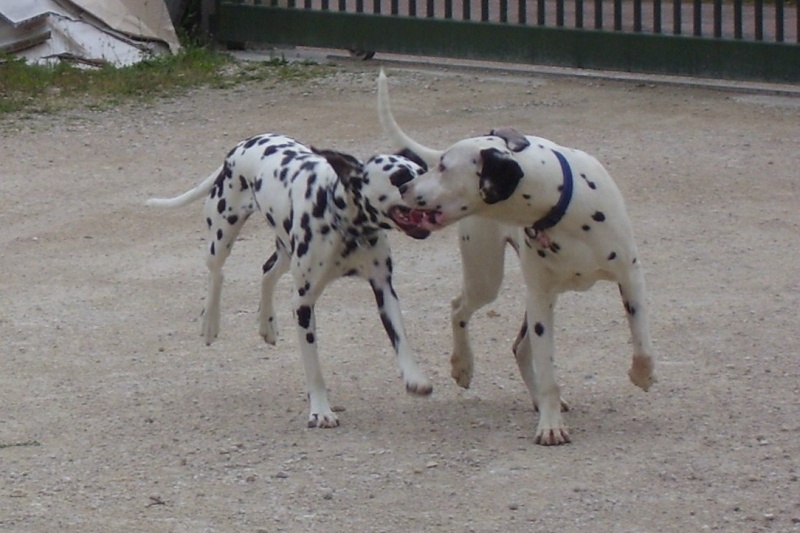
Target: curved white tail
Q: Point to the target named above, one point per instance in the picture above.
(396, 135)
(199, 191)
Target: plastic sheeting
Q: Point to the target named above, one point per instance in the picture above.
(94, 32)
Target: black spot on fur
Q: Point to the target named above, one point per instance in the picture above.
(310, 338)
(304, 316)
(598, 216)
(270, 263)
(541, 253)
(538, 328)
(219, 234)
(586, 227)
(631, 310)
(233, 219)
(612, 256)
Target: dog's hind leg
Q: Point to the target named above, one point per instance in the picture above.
(632, 291)
(274, 268)
(482, 243)
(222, 232)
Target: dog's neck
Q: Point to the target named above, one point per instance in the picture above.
(350, 210)
(540, 201)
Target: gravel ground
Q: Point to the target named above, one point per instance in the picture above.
(115, 417)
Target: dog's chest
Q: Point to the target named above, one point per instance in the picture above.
(564, 262)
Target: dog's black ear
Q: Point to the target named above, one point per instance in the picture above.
(408, 154)
(345, 165)
(499, 174)
(401, 177)
(515, 141)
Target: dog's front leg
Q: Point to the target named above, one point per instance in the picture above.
(482, 244)
(540, 304)
(321, 414)
(523, 355)
(392, 318)
(634, 299)
(551, 429)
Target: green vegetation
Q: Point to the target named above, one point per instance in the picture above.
(44, 89)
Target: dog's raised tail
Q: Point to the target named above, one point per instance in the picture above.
(397, 136)
(199, 191)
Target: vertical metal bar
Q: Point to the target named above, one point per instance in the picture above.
(504, 11)
(779, 21)
(797, 22)
(637, 16)
(579, 13)
(540, 18)
(522, 12)
(484, 10)
(676, 16)
(697, 18)
(737, 19)
(412, 8)
(466, 10)
(307, 4)
(617, 15)
(560, 13)
(657, 16)
(359, 6)
(448, 9)
(598, 14)
(342, 5)
(326, 5)
(376, 6)
(431, 11)
(395, 7)
(717, 18)
(758, 16)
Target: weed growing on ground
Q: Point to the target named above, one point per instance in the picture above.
(48, 88)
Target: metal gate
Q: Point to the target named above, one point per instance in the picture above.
(731, 39)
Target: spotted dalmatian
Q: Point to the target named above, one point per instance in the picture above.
(329, 213)
(562, 212)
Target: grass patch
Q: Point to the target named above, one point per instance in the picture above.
(43, 89)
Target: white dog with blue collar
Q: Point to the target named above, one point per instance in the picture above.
(562, 212)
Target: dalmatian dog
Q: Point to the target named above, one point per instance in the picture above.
(562, 212)
(329, 213)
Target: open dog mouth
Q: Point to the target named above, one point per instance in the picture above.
(416, 223)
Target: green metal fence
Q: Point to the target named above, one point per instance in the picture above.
(756, 40)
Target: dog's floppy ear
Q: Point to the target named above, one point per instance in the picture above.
(499, 174)
(401, 177)
(410, 155)
(345, 165)
(515, 141)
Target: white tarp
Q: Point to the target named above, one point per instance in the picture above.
(117, 32)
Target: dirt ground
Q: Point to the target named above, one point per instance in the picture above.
(114, 416)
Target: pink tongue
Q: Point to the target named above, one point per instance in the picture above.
(416, 217)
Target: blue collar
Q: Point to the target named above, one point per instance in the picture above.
(558, 211)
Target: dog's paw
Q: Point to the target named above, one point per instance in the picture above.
(551, 436)
(461, 369)
(323, 420)
(641, 373)
(551, 430)
(419, 386)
